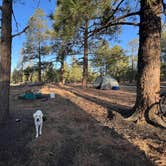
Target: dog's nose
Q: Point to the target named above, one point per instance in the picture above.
(37, 119)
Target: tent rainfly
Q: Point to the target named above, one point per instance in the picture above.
(106, 82)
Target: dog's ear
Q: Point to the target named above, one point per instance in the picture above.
(34, 115)
(41, 114)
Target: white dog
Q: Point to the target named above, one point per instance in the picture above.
(38, 119)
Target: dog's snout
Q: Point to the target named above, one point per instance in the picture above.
(37, 119)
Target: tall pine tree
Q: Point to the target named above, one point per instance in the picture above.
(35, 46)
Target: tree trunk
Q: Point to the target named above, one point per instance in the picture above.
(22, 73)
(148, 83)
(133, 75)
(62, 71)
(5, 58)
(39, 65)
(132, 66)
(85, 61)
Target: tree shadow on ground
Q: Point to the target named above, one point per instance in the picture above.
(14, 136)
(91, 138)
(121, 109)
(124, 111)
(71, 137)
(124, 90)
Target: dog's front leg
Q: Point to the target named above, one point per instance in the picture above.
(40, 130)
(37, 132)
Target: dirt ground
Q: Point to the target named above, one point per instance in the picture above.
(83, 127)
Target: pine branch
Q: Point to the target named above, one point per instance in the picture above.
(114, 22)
(93, 25)
(125, 23)
(113, 12)
(19, 33)
(15, 19)
(83, 28)
(128, 15)
(1, 8)
(117, 7)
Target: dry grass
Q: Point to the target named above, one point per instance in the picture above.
(78, 132)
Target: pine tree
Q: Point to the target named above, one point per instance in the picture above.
(148, 84)
(5, 58)
(78, 19)
(36, 39)
(111, 61)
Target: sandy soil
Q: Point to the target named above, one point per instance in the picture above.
(83, 127)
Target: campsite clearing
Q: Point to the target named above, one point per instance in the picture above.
(84, 127)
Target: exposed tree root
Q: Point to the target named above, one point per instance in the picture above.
(148, 116)
(134, 116)
(155, 119)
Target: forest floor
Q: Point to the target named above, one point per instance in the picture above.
(83, 127)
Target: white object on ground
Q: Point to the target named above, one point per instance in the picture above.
(52, 95)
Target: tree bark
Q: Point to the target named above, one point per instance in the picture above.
(5, 58)
(85, 60)
(132, 66)
(148, 83)
(39, 65)
(133, 75)
(62, 71)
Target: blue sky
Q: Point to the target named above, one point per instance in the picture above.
(24, 11)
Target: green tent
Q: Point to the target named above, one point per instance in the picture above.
(31, 96)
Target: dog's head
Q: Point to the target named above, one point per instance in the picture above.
(38, 115)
